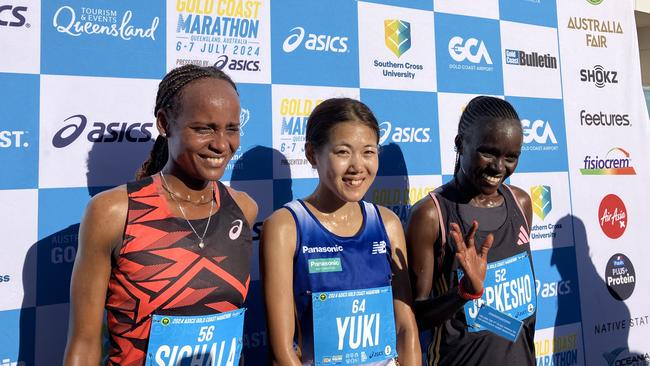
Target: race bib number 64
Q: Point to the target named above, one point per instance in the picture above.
(353, 327)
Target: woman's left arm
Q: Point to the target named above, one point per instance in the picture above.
(408, 343)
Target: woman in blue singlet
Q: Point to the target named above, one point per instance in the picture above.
(455, 280)
(334, 267)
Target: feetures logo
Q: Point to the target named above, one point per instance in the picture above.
(314, 42)
(388, 133)
(397, 35)
(530, 59)
(13, 16)
(101, 132)
(596, 30)
(13, 139)
(101, 22)
(612, 216)
(617, 161)
(541, 198)
(604, 119)
(620, 277)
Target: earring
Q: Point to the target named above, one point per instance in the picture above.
(164, 135)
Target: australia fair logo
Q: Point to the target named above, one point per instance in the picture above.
(314, 42)
(612, 216)
(100, 131)
(96, 21)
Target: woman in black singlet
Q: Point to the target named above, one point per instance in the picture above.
(174, 243)
(480, 269)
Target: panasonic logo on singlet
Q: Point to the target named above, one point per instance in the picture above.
(334, 249)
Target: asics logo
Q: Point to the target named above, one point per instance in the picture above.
(236, 229)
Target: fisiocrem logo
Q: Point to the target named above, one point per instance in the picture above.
(388, 133)
(101, 132)
(314, 42)
(471, 50)
(101, 22)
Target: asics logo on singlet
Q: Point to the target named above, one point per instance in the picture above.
(311, 250)
(236, 229)
(379, 247)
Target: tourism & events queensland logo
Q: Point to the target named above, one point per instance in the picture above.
(468, 54)
(232, 35)
(617, 161)
(117, 38)
(541, 199)
(612, 216)
(620, 277)
(397, 36)
(315, 44)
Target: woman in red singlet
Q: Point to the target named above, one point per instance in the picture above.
(175, 242)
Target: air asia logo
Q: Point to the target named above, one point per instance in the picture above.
(540, 132)
(533, 59)
(13, 16)
(604, 119)
(13, 139)
(612, 216)
(95, 21)
(595, 26)
(616, 162)
(471, 50)
(314, 42)
(224, 62)
(541, 199)
(614, 358)
(101, 132)
(599, 76)
(403, 134)
(5, 278)
(620, 277)
(397, 35)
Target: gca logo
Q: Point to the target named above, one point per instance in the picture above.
(314, 42)
(538, 131)
(224, 62)
(13, 139)
(403, 134)
(12, 16)
(101, 132)
(471, 50)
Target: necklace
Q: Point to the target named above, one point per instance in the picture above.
(178, 196)
(171, 194)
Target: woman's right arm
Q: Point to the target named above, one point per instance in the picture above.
(277, 247)
(101, 230)
(423, 232)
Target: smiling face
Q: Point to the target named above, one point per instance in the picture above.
(347, 164)
(490, 153)
(204, 135)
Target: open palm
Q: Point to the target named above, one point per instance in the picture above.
(473, 262)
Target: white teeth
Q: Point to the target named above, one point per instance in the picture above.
(354, 182)
(215, 161)
(491, 179)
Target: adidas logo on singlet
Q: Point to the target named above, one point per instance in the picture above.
(523, 236)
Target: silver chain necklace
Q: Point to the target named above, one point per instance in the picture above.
(171, 194)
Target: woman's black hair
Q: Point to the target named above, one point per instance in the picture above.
(168, 101)
(479, 111)
(333, 111)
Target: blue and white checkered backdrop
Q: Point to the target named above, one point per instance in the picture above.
(77, 87)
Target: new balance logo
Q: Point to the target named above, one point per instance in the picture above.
(379, 247)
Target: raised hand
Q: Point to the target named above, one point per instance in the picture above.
(474, 263)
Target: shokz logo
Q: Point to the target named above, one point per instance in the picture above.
(541, 198)
(471, 50)
(612, 216)
(314, 42)
(599, 76)
(234, 232)
(397, 36)
(101, 132)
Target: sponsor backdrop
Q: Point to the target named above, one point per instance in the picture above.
(77, 87)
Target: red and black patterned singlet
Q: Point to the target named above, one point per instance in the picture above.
(160, 269)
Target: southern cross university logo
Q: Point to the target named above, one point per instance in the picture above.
(541, 198)
(397, 35)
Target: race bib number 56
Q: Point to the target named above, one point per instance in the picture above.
(354, 327)
(214, 340)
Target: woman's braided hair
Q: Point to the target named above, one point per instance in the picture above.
(168, 101)
(480, 110)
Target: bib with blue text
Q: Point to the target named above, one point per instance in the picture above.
(214, 340)
(354, 326)
(509, 288)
